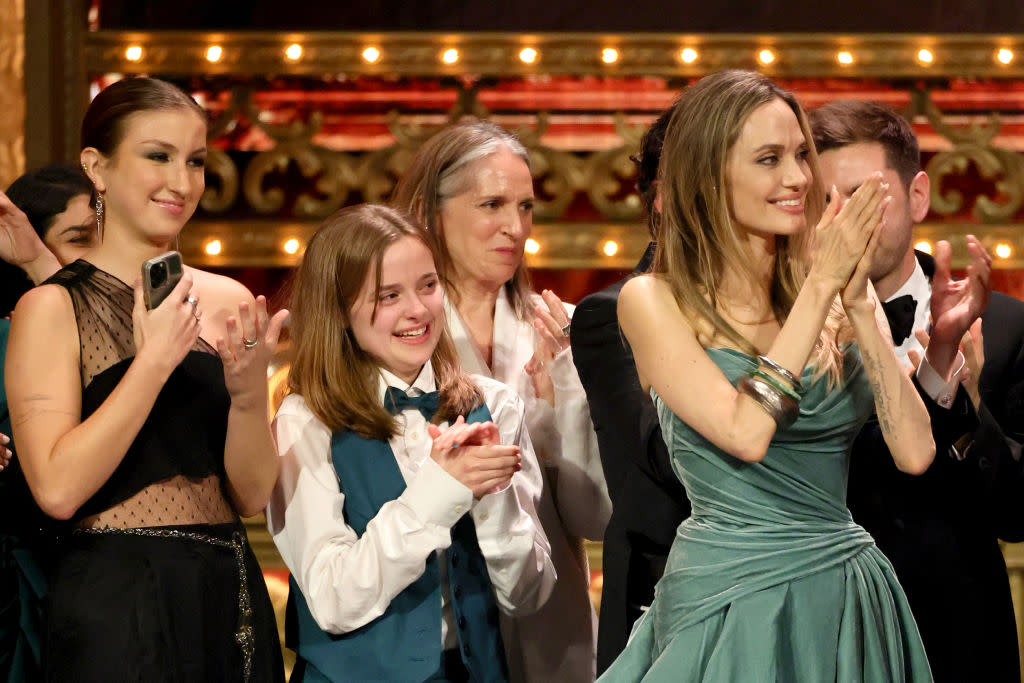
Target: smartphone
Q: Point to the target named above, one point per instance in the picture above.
(159, 276)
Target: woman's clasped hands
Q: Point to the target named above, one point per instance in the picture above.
(472, 453)
(846, 238)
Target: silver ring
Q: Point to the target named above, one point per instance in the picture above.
(250, 343)
(565, 328)
(195, 305)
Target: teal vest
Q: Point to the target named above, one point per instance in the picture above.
(404, 643)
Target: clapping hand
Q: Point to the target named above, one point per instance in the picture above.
(972, 346)
(5, 453)
(21, 246)
(844, 231)
(250, 344)
(551, 323)
(472, 453)
(956, 304)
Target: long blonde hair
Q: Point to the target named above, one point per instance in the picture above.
(438, 172)
(337, 378)
(698, 239)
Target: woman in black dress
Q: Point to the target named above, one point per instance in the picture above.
(146, 430)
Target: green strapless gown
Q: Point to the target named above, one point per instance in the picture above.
(770, 579)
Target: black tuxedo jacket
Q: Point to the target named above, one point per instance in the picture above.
(648, 500)
(941, 529)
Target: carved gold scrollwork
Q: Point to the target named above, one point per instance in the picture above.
(336, 182)
(606, 172)
(333, 176)
(973, 145)
(380, 169)
(220, 167)
(560, 173)
(332, 172)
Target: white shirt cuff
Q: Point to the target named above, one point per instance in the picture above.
(438, 497)
(941, 391)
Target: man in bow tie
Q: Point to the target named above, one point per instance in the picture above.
(940, 530)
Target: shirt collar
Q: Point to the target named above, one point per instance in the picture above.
(424, 382)
(917, 285)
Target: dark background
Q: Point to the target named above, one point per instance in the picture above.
(716, 16)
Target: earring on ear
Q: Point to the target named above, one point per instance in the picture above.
(99, 217)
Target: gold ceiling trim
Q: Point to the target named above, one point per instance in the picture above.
(498, 54)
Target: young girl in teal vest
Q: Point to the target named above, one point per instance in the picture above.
(397, 509)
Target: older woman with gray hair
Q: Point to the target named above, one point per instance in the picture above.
(470, 185)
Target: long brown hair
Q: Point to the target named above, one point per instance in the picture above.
(338, 379)
(698, 239)
(439, 171)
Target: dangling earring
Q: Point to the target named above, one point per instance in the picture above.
(99, 217)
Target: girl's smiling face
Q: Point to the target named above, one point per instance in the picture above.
(400, 324)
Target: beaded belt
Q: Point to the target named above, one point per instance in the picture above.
(244, 634)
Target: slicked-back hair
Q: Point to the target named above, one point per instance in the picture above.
(106, 118)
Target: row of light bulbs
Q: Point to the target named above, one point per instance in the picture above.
(291, 246)
(530, 55)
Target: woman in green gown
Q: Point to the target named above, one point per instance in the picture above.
(759, 340)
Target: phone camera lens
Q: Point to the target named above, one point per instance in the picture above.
(158, 274)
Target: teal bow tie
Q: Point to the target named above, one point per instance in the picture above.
(396, 400)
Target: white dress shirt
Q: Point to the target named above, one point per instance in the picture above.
(557, 643)
(920, 288)
(349, 580)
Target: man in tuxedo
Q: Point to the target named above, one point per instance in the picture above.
(648, 501)
(941, 529)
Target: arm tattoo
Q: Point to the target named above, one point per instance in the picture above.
(880, 389)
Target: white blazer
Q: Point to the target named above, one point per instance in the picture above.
(558, 642)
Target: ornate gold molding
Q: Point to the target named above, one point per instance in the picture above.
(260, 195)
(12, 85)
(973, 145)
(498, 54)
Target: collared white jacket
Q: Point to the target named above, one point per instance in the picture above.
(557, 643)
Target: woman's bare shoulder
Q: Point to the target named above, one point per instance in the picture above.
(219, 291)
(649, 297)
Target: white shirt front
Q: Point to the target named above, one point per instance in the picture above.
(920, 289)
(349, 580)
(917, 286)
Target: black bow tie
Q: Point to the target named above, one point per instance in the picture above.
(396, 400)
(900, 313)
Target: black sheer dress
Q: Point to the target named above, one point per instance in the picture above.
(154, 579)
